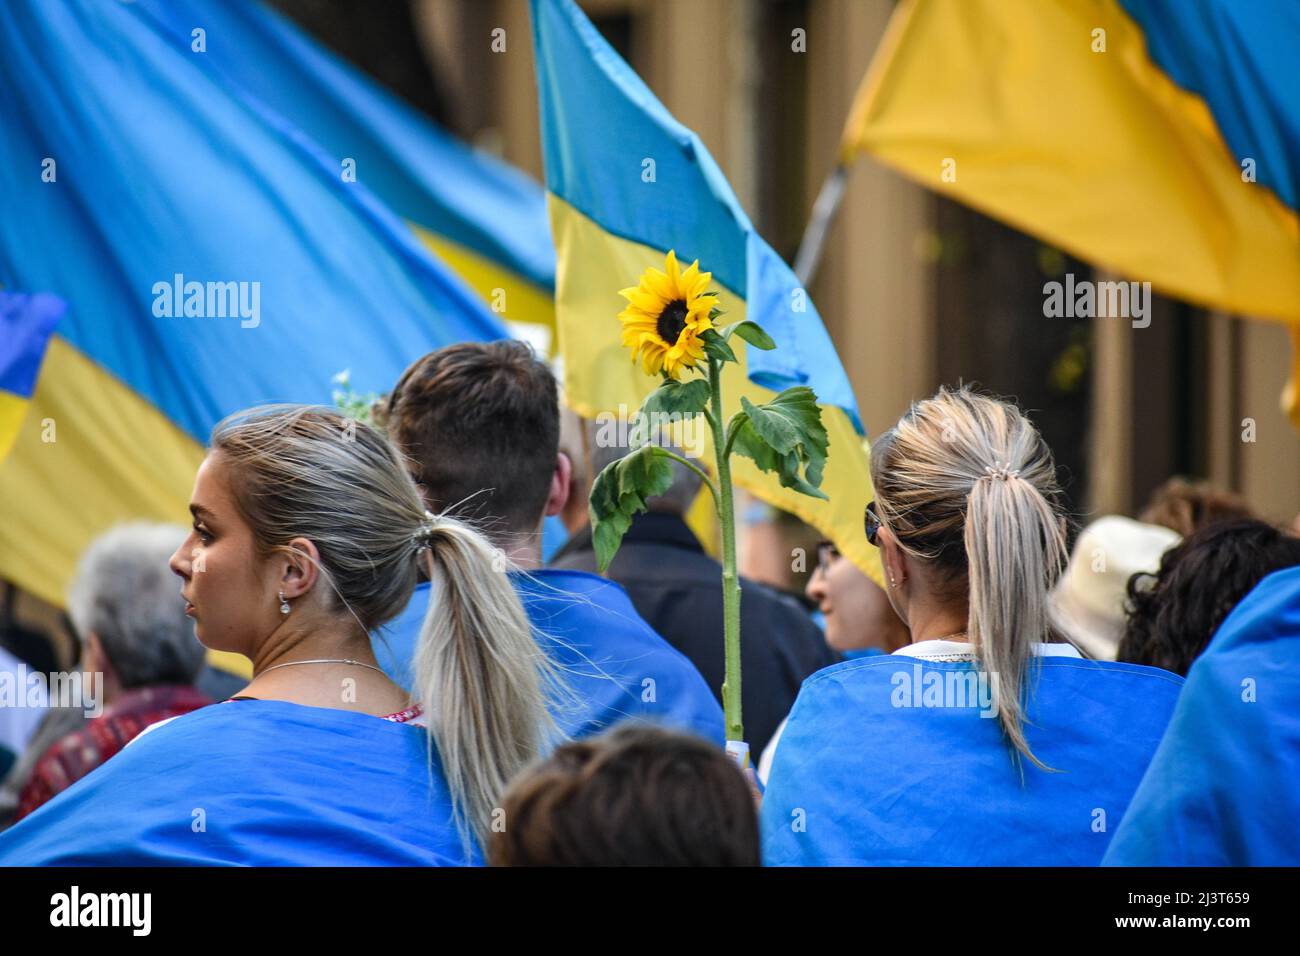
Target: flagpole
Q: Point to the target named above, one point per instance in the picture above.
(819, 224)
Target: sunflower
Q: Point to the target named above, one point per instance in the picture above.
(667, 315)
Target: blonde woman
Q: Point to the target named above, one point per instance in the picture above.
(988, 740)
(308, 533)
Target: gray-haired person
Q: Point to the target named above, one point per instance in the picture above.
(139, 662)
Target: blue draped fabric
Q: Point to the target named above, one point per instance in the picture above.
(872, 771)
(1224, 787)
(614, 663)
(252, 783)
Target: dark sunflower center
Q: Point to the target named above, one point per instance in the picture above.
(672, 320)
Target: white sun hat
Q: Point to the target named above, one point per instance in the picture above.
(1089, 601)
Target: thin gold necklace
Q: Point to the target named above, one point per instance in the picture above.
(949, 637)
(325, 660)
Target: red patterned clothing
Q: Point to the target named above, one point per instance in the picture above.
(412, 715)
(81, 751)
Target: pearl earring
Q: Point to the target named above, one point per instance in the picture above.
(284, 605)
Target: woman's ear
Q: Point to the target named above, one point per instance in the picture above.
(299, 565)
(892, 559)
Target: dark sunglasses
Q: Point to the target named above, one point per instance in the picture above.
(871, 523)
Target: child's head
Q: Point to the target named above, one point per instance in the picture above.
(635, 796)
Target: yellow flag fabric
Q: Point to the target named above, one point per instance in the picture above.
(1154, 139)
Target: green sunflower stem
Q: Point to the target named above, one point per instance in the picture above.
(730, 579)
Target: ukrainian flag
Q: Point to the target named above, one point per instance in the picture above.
(626, 183)
(1155, 138)
(212, 258)
(26, 324)
(482, 217)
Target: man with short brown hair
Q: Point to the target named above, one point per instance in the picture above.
(480, 423)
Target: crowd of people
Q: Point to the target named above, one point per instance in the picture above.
(426, 689)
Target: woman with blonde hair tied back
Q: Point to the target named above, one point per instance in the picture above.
(308, 534)
(988, 740)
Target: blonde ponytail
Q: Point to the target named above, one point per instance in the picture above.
(965, 483)
(1015, 548)
(481, 677)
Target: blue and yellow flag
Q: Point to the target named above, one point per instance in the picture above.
(627, 183)
(1223, 789)
(894, 761)
(1160, 140)
(253, 783)
(26, 324)
(212, 258)
(482, 217)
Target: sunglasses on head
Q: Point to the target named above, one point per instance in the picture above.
(871, 523)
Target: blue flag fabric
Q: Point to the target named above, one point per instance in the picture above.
(212, 257)
(614, 663)
(1224, 787)
(421, 172)
(868, 774)
(237, 195)
(252, 783)
(26, 324)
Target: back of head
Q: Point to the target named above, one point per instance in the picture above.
(636, 796)
(481, 423)
(1090, 601)
(125, 593)
(307, 472)
(608, 444)
(1187, 506)
(965, 483)
(1174, 613)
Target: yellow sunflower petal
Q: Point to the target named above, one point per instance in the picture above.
(674, 272)
(701, 284)
(688, 276)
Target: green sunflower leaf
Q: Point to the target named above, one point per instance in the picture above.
(620, 492)
(670, 402)
(786, 437)
(753, 333)
(716, 346)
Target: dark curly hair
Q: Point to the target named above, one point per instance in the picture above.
(1173, 614)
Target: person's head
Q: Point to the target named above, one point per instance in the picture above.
(1089, 601)
(480, 422)
(125, 609)
(1187, 506)
(635, 796)
(607, 444)
(302, 508)
(971, 520)
(857, 611)
(1174, 613)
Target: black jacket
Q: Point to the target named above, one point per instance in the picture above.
(678, 589)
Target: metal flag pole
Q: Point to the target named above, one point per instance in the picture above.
(819, 224)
